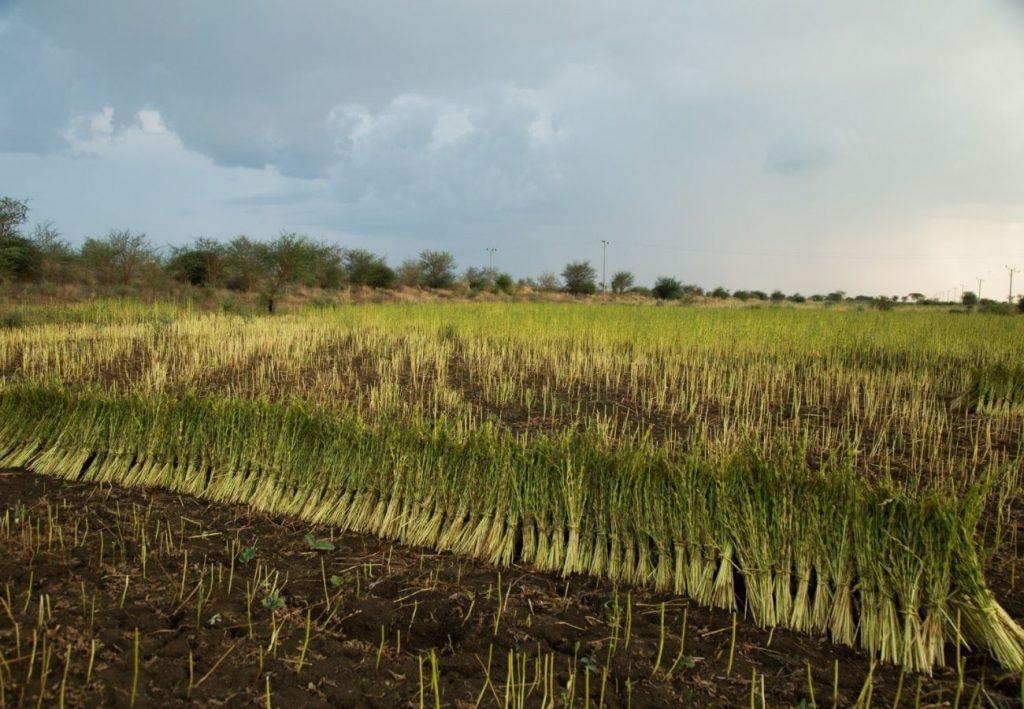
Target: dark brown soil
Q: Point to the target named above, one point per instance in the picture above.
(381, 619)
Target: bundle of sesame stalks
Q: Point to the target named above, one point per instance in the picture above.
(816, 547)
(996, 389)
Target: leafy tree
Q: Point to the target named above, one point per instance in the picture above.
(777, 296)
(883, 303)
(479, 279)
(666, 288)
(242, 264)
(503, 283)
(622, 281)
(13, 213)
(720, 292)
(284, 261)
(58, 258)
(797, 298)
(120, 257)
(50, 243)
(20, 258)
(201, 263)
(969, 298)
(579, 278)
(1020, 304)
(327, 269)
(759, 295)
(363, 268)
(410, 273)
(438, 269)
(741, 295)
(548, 282)
(835, 296)
(916, 297)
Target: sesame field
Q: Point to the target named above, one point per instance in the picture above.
(511, 504)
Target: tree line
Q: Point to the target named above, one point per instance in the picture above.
(124, 258)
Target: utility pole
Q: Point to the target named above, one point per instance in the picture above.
(1009, 298)
(963, 289)
(980, 281)
(490, 260)
(604, 266)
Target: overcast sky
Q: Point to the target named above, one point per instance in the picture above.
(873, 147)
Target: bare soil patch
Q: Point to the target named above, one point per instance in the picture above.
(216, 599)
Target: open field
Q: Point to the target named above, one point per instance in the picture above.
(854, 476)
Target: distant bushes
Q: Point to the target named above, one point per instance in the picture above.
(127, 263)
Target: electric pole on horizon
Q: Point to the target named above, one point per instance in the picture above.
(604, 266)
(980, 281)
(490, 260)
(1009, 298)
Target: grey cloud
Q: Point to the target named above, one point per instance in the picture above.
(35, 100)
(252, 83)
(542, 125)
(394, 173)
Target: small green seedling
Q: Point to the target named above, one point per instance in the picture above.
(590, 663)
(274, 601)
(247, 555)
(336, 581)
(318, 544)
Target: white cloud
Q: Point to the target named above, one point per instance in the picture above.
(150, 121)
(102, 123)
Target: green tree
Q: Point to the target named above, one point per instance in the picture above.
(479, 279)
(58, 258)
(969, 298)
(288, 259)
(327, 270)
(242, 264)
(20, 259)
(200, 263)
(119, 258)
(579, 278)
(720, 293)
(409, 273)
(362, 268)
(622, 281)
(437, 269)
(666, 288)
(548, 282)
(777, 296)
(13, 213)
(504, 283)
